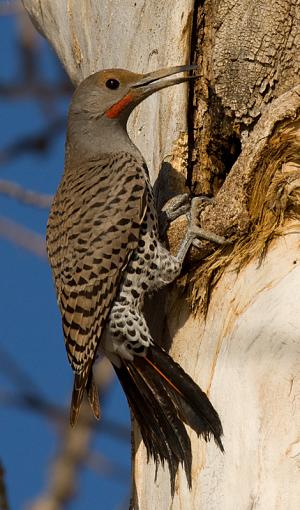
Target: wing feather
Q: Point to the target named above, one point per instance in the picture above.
(93, 228)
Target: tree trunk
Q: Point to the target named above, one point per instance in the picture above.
(236, 138)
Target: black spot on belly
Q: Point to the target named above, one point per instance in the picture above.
(139, 349)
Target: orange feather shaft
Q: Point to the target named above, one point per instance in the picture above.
(163, 376)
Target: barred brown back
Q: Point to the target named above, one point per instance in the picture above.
(92, 230)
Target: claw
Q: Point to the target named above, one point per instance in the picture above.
(208, 236)
(175, 207)
(195, 233)
(198, 232)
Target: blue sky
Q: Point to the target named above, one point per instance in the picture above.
(30, 329)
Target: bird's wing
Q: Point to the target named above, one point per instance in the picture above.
(93, 228)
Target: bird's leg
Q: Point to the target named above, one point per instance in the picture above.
(195, 233)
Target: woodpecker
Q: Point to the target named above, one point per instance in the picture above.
(105, 253)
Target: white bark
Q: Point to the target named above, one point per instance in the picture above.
(137, 35)
(246, 354)
(247, 357)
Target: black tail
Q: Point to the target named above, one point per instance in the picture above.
(162, 396)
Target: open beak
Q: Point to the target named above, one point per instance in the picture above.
(146, 85)
(152, 82)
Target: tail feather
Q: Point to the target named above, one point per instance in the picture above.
(93, 396)
(162, 396)
(151, 422)
(195, 408)
(170, 422)
(84, 382)
(77, 396)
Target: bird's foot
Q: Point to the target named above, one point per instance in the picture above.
(195, 232)
(175, 207)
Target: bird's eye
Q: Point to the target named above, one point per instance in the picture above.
(112, 84)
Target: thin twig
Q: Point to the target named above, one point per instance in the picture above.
(23, 237)
(10, 8)
(38, 142)
(39, 404)
(39, 90)
(25, 196)
(29, 396)
(73, 451)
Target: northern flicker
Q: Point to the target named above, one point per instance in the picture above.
(105, 253)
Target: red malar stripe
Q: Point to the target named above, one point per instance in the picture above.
(115, 110)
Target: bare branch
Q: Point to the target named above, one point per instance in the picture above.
(38, 90)
(13, 190)
(74, 450)
(37, 403)
(38, 142)
(23, 237)
(12, 7)
(15, 373)
(30, 397)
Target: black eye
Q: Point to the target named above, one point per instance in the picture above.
(112, 84)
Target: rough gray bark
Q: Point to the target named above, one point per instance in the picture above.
(241, 143)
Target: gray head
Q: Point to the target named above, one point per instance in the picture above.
(102, 103)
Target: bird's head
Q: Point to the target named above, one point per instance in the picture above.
(112, 94)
